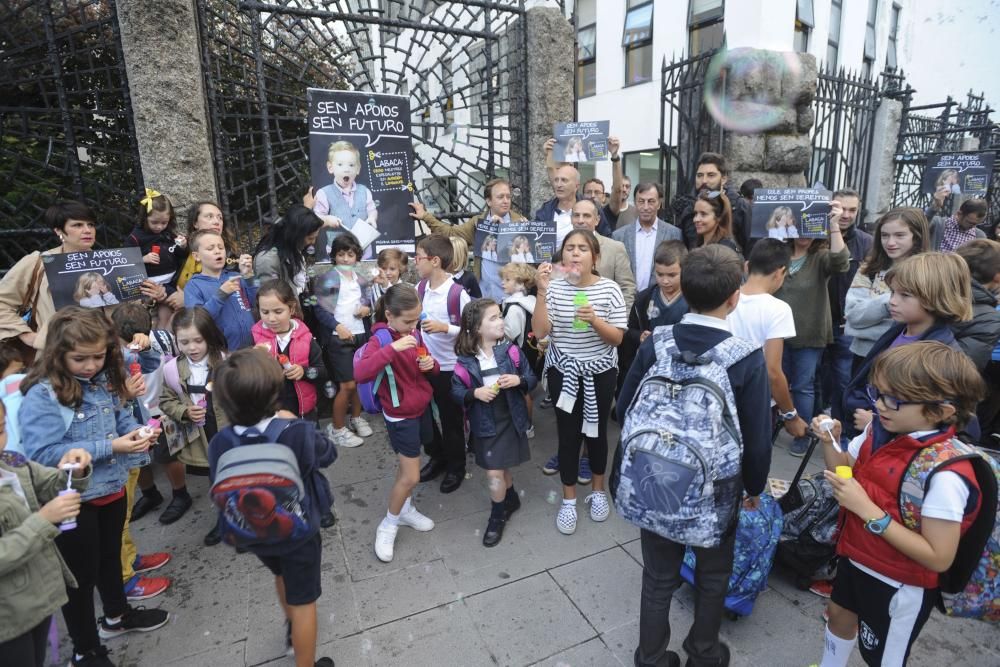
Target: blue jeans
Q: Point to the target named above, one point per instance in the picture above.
(799, 365)
(837, 371)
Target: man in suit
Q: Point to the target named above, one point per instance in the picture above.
(613, 262)
(648, 231)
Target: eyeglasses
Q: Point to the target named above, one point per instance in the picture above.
(893, 403)
(420, 258)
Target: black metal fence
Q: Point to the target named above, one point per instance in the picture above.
(66, 126)
(461, 64)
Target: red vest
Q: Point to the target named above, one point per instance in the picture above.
(298, 353)
(881, 475)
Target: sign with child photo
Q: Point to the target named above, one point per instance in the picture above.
(790, 213)
(581, 142)
(361, 166)
(961, 173)
(95, 279)
(526, 242)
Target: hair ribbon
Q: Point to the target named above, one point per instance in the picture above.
(148, 199)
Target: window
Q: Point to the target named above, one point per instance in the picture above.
(426, 131)
(447, 99)
(890, 54)
(804, 22)
(477, 82)
(586, 48)
(441, 193)
(833, 41)
(641, 167)
(705, 31)
(868, 61)
(637, 38)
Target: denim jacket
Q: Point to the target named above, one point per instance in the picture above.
(98, 420)
(480, 414)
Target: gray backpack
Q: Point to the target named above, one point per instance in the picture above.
(681, 445)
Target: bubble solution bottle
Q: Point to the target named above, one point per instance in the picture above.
(579, 301)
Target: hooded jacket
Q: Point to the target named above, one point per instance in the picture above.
(232, 312)
(979, 336)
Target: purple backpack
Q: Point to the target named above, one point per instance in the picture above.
(368, 391)
(462, 373)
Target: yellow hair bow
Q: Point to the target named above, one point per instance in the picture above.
(148, 199)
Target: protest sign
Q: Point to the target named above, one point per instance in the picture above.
(526, 242)
(581, 142)
(484, 246)
(361, 165)
(96, 278)
(790, 213)
(961, 173)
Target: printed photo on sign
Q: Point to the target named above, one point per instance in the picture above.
(95, 279)
(958, 174)
(526, 242)
(484, 245)
(790, 213)
(581, 142)
(361, 166)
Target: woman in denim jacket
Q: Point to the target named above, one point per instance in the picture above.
(72, 400)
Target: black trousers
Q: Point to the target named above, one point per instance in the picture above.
(569, 426)
(449, 446)
(661, 576)
(27, 650)
(92, 552)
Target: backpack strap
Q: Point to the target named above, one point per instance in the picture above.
(454, 304)
(276, 428)
(731, 351)
(462, 373)
(422, 289)
(172, 377)
(385, 339)
(527, 319)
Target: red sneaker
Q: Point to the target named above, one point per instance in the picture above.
(822, 588)
(150, 562)
(143, 588)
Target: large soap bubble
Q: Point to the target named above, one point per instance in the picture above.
(327, 286)
(751, 90)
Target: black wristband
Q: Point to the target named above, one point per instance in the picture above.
(616, 158)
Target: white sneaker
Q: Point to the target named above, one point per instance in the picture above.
(566, 519)
(530, 432)
(359, 426)
(599, 507)
(409, 516)
(342, 437)
(385, 541)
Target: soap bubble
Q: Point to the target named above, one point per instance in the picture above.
(750, 90)
(552, 498)
(366, 645)
(327, 289)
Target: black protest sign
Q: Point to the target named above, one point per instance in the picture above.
(526, 242)
(790, 213)
(485, 241)
(96, 278)
(361, 165)
(581, 142)
(961, 173)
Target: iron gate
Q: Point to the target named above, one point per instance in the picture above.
(461, 64)
(66, 128)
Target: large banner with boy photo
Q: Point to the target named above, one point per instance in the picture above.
(361, 165)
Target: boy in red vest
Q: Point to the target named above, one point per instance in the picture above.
(887, 577)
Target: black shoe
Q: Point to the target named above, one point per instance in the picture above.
(324, 662)
(723, 657)
(452, 480)
(178, 506)
(432, 470)
(494, 531)
(96, 658)
(512, 503)
(146, 503)
(289, 650)
(673, 660)
(213, 537)
(328, 520)
(135, 619)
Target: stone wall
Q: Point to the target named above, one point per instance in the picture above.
(882, 171)
(778, 156)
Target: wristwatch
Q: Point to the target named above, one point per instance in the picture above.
(788, 416)
(616, 158)
(878, 526)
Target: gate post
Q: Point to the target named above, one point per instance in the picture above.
(882, 173)
(551, 60)
(168, 98)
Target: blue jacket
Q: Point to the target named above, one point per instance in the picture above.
(98, 420)
(547, 212)
(232, 312)
(480, 414)
(312, 451)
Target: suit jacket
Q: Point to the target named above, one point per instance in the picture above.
(626, 235)
(615, 265)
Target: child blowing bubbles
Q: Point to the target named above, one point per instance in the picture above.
(888, 575)
(33, 585)
(491, 387)
(224, 294)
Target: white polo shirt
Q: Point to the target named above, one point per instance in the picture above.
(441, 346)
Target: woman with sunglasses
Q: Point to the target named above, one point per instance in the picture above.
(713, 220)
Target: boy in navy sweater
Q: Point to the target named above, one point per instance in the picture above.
(710, 282)
(248, 387)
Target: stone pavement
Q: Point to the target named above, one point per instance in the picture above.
(538, 598)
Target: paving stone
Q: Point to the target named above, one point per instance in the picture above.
(606, 587)
(592, 653)
(403, 592)
(444, 636)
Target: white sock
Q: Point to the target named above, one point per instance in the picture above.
(569, 501)
(391, 519)
(113, 621)
(836, 651)
(407, 505)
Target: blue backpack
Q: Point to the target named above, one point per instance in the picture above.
(368, 391)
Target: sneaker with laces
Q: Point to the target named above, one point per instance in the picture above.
(360, 426)
(135, 619)
(143, 588)
(583, 475)
(824, 589)
(342, 437)
(599, 507)
(385, 541)
(150, 562)
(530, 432)
(566, 519)
(289, 650)
(409, 516)
(551, 466)
(96, 658)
